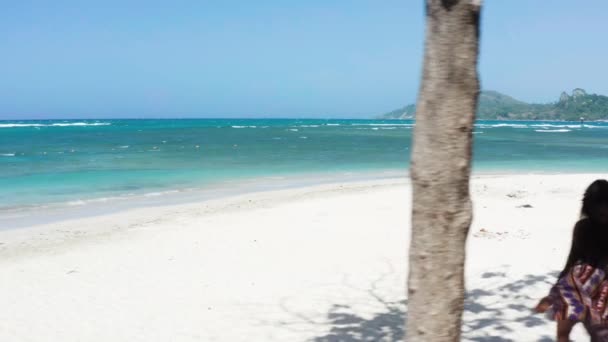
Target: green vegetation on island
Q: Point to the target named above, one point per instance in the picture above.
(496, 106)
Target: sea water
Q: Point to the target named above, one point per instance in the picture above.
(75, 162)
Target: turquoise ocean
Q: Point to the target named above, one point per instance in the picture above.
(74, 162)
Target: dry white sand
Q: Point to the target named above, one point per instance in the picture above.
(324, 263)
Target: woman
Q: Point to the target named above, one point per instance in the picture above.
(581, 292)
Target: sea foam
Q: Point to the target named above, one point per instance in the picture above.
(391, 125)
(501, 125)
(67, 124)
(552, 130)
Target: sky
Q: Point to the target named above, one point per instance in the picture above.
(281, 58)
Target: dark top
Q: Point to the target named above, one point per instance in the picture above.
(589, 246)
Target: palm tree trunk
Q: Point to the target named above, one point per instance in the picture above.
(440, 169)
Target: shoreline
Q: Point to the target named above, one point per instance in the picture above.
(22, 217)
(135, 216)
(140, 211)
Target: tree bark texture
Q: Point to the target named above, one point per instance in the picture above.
(440, 170)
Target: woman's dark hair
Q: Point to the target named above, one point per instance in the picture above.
(595, 194)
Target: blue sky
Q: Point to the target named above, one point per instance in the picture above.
(316, 58)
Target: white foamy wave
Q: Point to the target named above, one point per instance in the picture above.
(476, 132)
(539, 125)
(375, 128)
(19, 125)
(553, 125)
(303, 137)
(567, 126)
(125, 146)
(332, 124)
(293, 129)
(552, 130)
(244, 126)
(77, 202)
(161, 193)
(66, 124)
(80, 202)
(126, 196)
(396, 125)
(308, 126)
(501, 125)
(7, 154)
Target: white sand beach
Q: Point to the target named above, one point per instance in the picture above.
(322, 263)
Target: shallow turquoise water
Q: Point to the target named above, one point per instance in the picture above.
(61, 161)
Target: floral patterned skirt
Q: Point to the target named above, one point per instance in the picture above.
(581, 295)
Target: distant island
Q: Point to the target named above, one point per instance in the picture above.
(496, 106)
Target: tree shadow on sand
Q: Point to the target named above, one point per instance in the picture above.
(347, 326)
(492, 313)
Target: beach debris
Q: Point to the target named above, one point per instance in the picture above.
(501, 235)
(516, 194)
(525, 206)
(486, 234)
